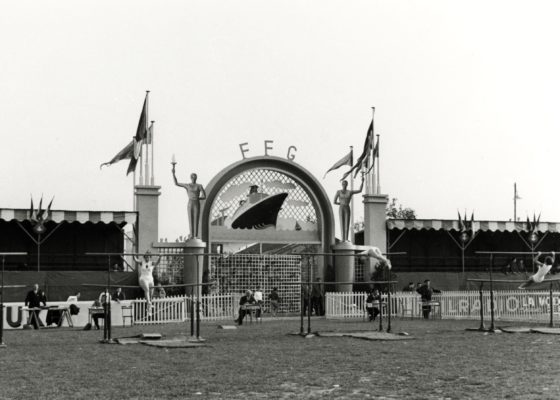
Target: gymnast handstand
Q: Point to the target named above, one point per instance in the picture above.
(544, 268)
(374, 252)
(145, 277)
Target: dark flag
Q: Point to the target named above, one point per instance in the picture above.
(124, 154)
(140, 137)
(348, 159)
(132, 165)
(375, 155)
(362, 160)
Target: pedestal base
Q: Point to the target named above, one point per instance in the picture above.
(193, 265)
(344, 265)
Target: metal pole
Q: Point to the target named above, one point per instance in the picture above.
(481, 328)
(302, 307)
(106, 329)
(309, 295)
(492, 327)
(378, 189)
(514, 202)
(192, 313)
(380, 312)
(198, 290)
(463, 259)
(389, 309)
(39, 253)
(551, 307)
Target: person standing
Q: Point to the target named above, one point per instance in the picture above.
(274, 301)
(373, 302)
(33, 301)
(317, 297)
(426, 291)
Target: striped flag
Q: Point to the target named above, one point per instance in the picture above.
(348, 159)
(361, 163)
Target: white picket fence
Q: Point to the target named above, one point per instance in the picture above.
(514, 305)
(178, 309)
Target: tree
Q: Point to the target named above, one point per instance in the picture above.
(396, 211)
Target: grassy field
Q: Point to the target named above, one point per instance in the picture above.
(263, 361)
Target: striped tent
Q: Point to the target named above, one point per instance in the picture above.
(449, 224)
(119, 217)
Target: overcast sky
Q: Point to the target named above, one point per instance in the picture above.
(466, 96)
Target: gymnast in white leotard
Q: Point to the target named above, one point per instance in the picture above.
(145, 276)
(544, 268)
(375, 253)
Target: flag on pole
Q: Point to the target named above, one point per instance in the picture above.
(150, 133)
(375, 154)
(124, 154)
(348, 159)
(361, 163)
(132, 165)
(140, 137)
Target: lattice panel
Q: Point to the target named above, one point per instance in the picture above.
(170, 268)
(237, 273)
(297, 205)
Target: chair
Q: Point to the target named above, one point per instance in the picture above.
(127, 312)
(407, 305)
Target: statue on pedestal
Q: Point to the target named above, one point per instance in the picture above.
(343, 198)
(195, 192)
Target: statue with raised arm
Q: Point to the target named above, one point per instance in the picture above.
(342, 199)
(195, 192)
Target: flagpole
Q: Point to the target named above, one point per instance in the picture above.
(152, 148)
(146, 169)
(141, 176)
(371, 177)
(514, 201)
(133, 190)
(378, 184)
(352, 234)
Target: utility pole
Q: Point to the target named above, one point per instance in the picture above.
(515, 198)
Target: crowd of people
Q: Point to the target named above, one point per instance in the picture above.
(313, 301)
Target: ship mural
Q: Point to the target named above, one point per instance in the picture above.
(263, 205)
(259, 211)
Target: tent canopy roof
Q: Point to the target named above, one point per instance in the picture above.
(449, 225)
(118, 217)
